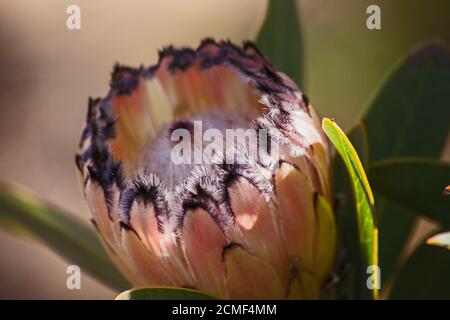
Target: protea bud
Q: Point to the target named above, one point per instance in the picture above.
(256, 229)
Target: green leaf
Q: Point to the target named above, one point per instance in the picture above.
(280, 38)
(353, 278)
(358, 137)
(440, 240)
(22, 213)
(410, 114)
(425, 275)
(412, 100)
(396, 225)
(163, 293)
(414, 183)
(368, 232)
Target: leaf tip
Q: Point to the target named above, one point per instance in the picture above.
(440, 240)
(435, 51)
(446, 191)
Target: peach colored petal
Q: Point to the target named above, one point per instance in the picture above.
(204, 243)
(250, 277)
(297, 215)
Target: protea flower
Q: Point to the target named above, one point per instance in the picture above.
(254, 230)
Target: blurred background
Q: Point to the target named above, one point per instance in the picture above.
(47, 72)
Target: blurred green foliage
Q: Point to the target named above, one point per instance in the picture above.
(24, 214)
(345, 62)
(280, 39)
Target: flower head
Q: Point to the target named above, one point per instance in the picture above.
(258, 226)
